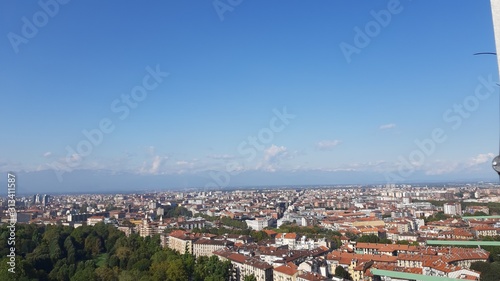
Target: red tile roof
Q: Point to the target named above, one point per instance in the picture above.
(312, 276)
(285, 269)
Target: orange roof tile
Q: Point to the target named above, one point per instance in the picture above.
(285, 269)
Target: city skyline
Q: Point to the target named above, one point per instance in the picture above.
(274, 234)
(180, 95)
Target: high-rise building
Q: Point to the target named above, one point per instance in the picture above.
(45, 199)
(452, 209)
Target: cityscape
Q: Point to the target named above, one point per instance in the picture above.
(233, 140)
(313, 233)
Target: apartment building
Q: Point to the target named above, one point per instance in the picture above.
(452, 209)
(182, 241)
(93, 220)
(206, 247)
(244, 266)
(287, 272)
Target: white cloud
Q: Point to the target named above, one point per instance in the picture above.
(47, 154)
(272, 157)
(387, 126)
(331, 170)
(221, 156)
(155, 165)
(438, 168)
(9, 166)
(482, 158)
(473, 164)
(75, 157)
(274, 152)
(327, 144)
(379, 166)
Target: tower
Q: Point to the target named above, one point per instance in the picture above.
(495, 13)
(45, 199)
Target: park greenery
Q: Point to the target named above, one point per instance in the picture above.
(100, 253)
(437, 217)
(476, 213)
(489, 271)
(175, 212)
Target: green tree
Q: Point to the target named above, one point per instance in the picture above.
(93, 245)
(233, 223)
(177, 212)
(250, 277)
(259, 235)
(85, 272)
(176, 271)
(159, 270)
(489, 271)
(480, 266)
(61, 271)
(211, 268)
(83, 208)
(130, 275)
(372, 238)
(342, 273)
(437, 217)
(351, 235)
(69, 247)
(106, 274)
(385, 241)
(142, 265)
(40, 258)
(7, 275)
(66, 254)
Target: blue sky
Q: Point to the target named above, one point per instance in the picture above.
(230, 69)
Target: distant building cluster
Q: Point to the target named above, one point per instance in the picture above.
(41, 199)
